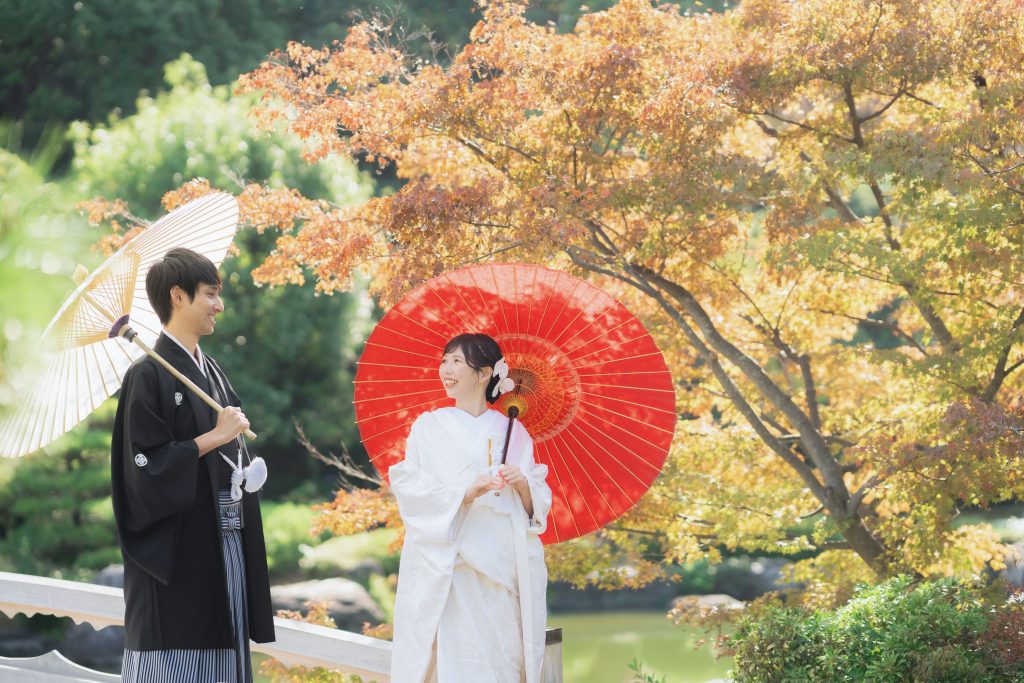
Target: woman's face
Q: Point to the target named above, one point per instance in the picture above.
(460, 380)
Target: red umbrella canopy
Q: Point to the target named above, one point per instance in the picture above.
(592, 387)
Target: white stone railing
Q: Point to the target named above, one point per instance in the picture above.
(298, 644)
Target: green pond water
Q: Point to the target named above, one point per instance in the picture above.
(598, 647)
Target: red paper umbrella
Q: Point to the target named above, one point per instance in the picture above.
(592, 387)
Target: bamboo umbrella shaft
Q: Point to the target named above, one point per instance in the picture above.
(249, 434)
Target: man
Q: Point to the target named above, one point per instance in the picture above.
(195, 569)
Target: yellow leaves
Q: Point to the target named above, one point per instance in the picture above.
(193, 189)
(317, 613)
(733, 154)
(261, 207)
(829, 578)
(968, 551)
(278, 269)
(380, 631)
(352, 512)
(606, 559)
(99, 210)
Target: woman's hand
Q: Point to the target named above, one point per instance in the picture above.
(481, 485)
(515, 478)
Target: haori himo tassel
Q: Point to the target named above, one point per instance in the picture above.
(252, 477)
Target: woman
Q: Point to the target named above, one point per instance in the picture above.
(472, 584)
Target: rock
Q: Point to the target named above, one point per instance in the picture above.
(1014, 572)
(111, 575)
(103, 649)
(348, 603)
(16, 642)
(716, 600)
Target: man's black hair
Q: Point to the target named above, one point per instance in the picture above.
(182, 268)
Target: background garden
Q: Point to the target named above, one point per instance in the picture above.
(814, 206)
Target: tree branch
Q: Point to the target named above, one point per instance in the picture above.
(857, 498)
(931, 316)
(812, 439)
(890, 326)
(1000, 373)
(798, 124)
(350, 472)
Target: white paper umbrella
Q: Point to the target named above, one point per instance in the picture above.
(89, 338)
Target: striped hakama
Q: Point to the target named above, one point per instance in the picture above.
(206, 666)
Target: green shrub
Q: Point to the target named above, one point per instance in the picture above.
(339, 556)
(55, 513)
(897, 631)
(285, 529)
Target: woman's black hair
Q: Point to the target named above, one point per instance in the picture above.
(481, 351)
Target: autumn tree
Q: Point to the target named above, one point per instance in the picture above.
(771, 188)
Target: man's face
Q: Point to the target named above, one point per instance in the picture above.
(198, 315)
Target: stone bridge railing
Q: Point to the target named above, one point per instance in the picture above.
(298, 644)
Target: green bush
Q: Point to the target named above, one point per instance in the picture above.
(897, 631)
(285, 529)
(340, 555)
(55, 513)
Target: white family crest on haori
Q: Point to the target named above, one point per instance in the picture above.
(468, 571)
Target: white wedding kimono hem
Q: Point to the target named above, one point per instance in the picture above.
(471, 600)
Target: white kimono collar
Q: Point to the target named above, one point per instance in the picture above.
(200, 361)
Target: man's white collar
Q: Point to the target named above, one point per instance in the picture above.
(197, 358)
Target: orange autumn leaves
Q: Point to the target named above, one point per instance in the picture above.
(814, 206)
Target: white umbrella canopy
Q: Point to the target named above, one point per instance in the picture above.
(85, 358)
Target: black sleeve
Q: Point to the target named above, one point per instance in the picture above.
(159, 472)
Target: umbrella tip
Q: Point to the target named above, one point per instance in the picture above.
(81, 272)
(121, 329)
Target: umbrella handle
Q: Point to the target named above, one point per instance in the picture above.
(130, 334)
(513, 411)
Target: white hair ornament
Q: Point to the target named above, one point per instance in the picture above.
(505, 383)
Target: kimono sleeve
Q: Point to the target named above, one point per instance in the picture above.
(430, 509)
(159, 471)
(536, 475)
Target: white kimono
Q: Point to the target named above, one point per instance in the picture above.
(471, 604)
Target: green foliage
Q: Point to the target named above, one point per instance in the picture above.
(892, 632)
(55, 513)
(290, 354)
(285, 529)
(641, 676)
(41, 241)
(63, 60)
(196, 130)
(382, 590)
(340, 554)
